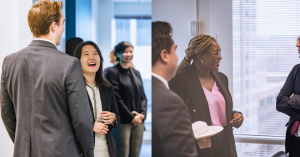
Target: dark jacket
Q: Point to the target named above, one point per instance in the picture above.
(187, 85)
(120, 89)
(109, 103)
(44, 105)
(291, 107)
(172, 134)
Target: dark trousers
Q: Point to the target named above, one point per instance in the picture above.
(294, 147)
(128, 139)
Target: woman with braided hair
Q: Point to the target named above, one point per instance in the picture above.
(205, 92)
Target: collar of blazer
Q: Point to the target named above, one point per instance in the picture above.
(199, 98)
(42, 43)
(103, 97)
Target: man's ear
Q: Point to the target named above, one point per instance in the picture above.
(52, 27)
(164, 56)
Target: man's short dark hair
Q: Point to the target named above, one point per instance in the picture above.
(161, 39)
(71, 45)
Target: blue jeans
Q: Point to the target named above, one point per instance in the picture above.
(128, 139)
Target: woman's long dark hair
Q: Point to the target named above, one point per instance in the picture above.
(101, 82)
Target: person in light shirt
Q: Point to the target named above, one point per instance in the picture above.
(102, 98)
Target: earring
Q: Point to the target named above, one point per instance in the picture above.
(202, 61)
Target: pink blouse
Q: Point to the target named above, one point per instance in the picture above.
(217, 106)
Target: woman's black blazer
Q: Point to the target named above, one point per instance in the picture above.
(109, 103)
(187, 85)
(120, 92)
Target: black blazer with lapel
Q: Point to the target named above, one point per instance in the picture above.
(172, 134)
(113, 77)
(187, 85)
(109, 103)
(291, 107)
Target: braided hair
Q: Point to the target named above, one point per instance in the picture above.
(197, 45)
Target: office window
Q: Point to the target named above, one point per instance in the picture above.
(264, 41)
(122, 30)
(143, 26)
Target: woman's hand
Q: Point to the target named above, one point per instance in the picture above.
(237, 120)
(108, 117)
(136, 120)
(100, 128)
(138, 114)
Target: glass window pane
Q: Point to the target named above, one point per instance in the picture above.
(122, 30)
(144, 32)
(257, 150)
(264, 52)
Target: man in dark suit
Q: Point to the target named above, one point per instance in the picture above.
(172, 134)
(44, 104)
(288, 102)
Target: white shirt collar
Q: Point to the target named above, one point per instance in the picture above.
(44, 40)
(165, 82)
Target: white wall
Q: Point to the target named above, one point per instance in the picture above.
(215, 17)
(179, 13)
(15, 35)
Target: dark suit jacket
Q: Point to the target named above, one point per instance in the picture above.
(120, 92)
(290, 107)
(44, 105)
(172, 134)
(109, 103)
(187, 85)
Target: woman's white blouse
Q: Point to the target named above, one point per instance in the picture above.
(101, 148)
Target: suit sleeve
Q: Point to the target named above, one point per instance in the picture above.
(114, 107)
(233, 111)
(143, 99)
(175, 130)
(291, 107)
(7, 108)
(81, 114)
(112, 77)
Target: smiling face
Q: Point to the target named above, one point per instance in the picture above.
(210, 58)
(90, 59)
(127, 55)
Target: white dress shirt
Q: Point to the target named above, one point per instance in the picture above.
(165, 82)
(101, 148)
(44, 40)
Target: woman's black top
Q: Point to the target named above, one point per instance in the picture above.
(129, 92)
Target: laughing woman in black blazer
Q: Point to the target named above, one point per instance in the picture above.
(102, 100)
(206, 94)
(131, 100)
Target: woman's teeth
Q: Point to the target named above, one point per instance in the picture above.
(92, 64)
